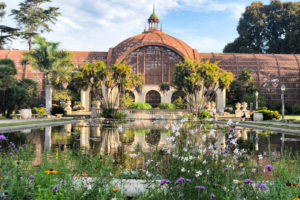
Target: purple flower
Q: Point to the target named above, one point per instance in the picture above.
(188, 180)
(256, 138)
(200, 187)
(63, 182)
(31, 177)
(267, 136)
(228, 141)
(262, 186)
(226, 169)
(180, 180)
(246, 181)
(2, 137)
(180, 195)
(12, 145)
(10, 154)
(54, 189)
(269, 167)
(164, 181)
(225, 152)
(212, 196)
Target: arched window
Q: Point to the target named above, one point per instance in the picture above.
(153, 98)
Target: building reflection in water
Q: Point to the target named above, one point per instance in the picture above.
(107, 140)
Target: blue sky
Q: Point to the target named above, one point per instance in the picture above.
(96, 25)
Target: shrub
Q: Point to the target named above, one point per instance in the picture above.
(58, 110)
(251, 98)
(164, 106)
(270, 114)
(296, 109)
(65, 95)
(126, 101)
(112, 113)
(179, 103)
(204, 114)
(39, 110)
(141, 106)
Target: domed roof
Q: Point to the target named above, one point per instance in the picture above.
(150, 38)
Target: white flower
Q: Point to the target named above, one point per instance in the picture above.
(210, 146)
(222, 161)
(204, 162)
(204, 150)
(132, 149)
(190, 157)
(229, 122)
(177, 134)
(208, 171)
(167, 127)
(192, 132)
(235, 181)
(212, 131)
(198, 173)
(170, 139)
(116, 145)
(185, 149)
(237, 123)
(253, 170)
(125, 135)
(183, 169)
(204, 138)
(114, 198)
(260, 157)
(120, 128)
(168, 151)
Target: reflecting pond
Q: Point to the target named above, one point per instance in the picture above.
(125, 142)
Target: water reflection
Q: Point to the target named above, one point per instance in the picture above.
(136, 136)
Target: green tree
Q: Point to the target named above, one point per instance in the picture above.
(61, 76)
(268, 29)
(32, 18)
(47, 58)
(7, 33)
(197, 79)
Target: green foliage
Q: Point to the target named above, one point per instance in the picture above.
(169, 106)
(196, 78)
(164, 87)
(32, 17)
(61, 76)
(269, 28)
(47, 58)
(204, 114)
(7, 72)
(126, 101)
(57, 110)
(251, 98)
(245, 76)
(179, 103)
(65, 95)
(141, 106)
(296, 109)
(269, 114)
(111, 113)
(39, 110)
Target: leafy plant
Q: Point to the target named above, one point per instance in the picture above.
(169, 106)
(112, 113)
(65, 94)
(141, 106)
(204, 114)
(179, 103)
(269, 114)
(126, 100)
(58, 110)
(164, 87)
(39, 110)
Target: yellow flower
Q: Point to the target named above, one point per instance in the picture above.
(1, 188)
(51, 171)
(297, 198)
(242, 164)
(115, 189)
(239, 182)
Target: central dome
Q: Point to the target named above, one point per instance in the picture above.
(151, 38)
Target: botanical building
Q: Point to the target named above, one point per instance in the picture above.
(155, 54)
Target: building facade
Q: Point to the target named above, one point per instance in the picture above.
(155, 54)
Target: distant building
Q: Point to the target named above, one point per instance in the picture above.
(155, 54)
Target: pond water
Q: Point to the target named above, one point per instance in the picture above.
(124, 142)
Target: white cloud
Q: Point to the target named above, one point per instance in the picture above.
(96, 25)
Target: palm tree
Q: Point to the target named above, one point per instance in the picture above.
(61, 76)
(47, 58)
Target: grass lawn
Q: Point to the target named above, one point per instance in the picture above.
(297, 117)
(33, 122)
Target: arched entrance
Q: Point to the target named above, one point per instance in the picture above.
(153, 98)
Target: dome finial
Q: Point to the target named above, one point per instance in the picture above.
(153, 8)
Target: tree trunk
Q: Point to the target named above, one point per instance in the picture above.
(30, 43)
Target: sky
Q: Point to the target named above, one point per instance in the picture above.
(97, 25)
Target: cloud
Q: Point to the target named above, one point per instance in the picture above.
(97, 25)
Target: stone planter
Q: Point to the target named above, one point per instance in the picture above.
(26, 113)
(258, 117)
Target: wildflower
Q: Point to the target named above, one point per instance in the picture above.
(2, 137)
(260, 157)
(164, 181)
(204, 162)
(269, 167)
(120, 128)
(10, 154)
(180, 180)
(256, 138)
(51, 171)
(182, 169)
(267, 136)
(200, 187)
(180, 196)
(242, 164)
(12, 145)
(63, 182)
(226, 169)
(212, 131)
(177, 134)
(188, 180)
(229, 122)
(31, 178)
(198, 173)
(115, 189)
(54, 189)
(246, 181)
(212, 196)
(225, 152)
(262, 186)
(297, 198)
(125, 135)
